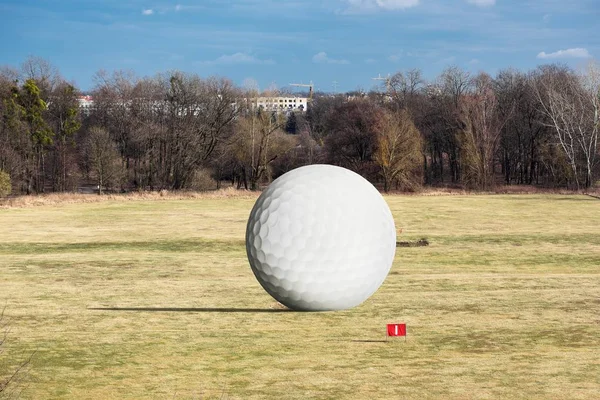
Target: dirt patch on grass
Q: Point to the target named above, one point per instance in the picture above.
(417, 243)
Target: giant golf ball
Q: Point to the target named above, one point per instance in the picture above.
(320, 238)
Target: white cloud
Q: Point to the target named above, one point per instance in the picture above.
(370, 61)
(396, 4)
(482, 3)
(187, 8)
(323, 58)
(148, 11)
(238, 58)
(359, 6)
(547, 17)
(577, 52)
(473, 61)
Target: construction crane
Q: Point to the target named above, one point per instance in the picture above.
(386, 79)
(308, 85)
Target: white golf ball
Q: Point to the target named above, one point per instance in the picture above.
(320, 238)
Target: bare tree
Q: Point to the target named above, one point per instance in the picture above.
(438, 118)
(259, 140)
(40, 70)
(590, 83)
(101, 158)
(65, 122)
(455, 82)
(201, 115)
(569, 103)
(319, 113)
(113, 95)
(149, 145)
(305, 152)
(250, 86)
(399, 150)
(9, 74)
(523, 135)
(405, 86)
(480, 134)
(352, 138)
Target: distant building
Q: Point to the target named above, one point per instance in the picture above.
(282, 104)
(86, 104)
(433, 90)
(271, 104)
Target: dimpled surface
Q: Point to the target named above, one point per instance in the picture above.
(320, 238)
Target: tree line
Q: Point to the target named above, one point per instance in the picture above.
(179, 131)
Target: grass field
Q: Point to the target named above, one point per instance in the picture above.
(155, 299)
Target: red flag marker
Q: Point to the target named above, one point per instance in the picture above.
(396, 329)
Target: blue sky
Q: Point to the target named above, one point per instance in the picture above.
(283, 41)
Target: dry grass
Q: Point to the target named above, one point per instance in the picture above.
(72, 198)
(154, 299)
(230, 192)
(502, 189)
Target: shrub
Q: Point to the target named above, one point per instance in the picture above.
(5, 186)
(203, 181)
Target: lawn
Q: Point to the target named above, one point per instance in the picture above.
(155, 299)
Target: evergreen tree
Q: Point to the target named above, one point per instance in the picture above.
(39, 135)
(291, 125)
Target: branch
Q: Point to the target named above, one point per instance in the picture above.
(6, 382)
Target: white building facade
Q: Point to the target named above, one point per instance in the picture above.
(270, 104)
(86, 103)
(282, 104)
